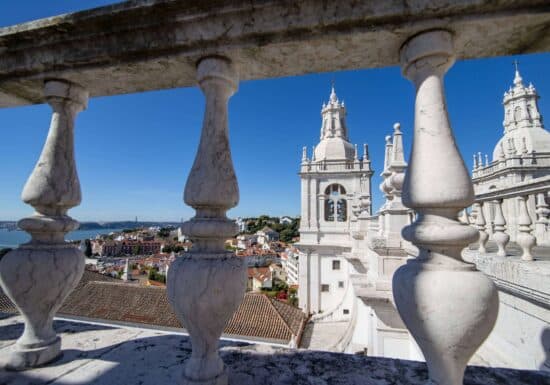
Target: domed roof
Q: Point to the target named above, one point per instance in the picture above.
(334, 149)
(522, 140)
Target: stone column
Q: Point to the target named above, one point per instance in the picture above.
(437, 186)
(500, 237)
(481, 224)
(206, 285)
(525, 239)
(40, 274)
(542, 222)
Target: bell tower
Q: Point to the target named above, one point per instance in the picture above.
(336, 187)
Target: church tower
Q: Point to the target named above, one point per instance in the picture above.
(336, 188)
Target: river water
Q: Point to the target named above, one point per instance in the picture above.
(14, 238)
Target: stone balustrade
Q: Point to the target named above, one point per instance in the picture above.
(239, 40)
(533, 228)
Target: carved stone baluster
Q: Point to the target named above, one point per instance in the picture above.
(40, 274)
(481, 224)
(206, 285)
(525, 239)
(543, 222)
(500, 237)
(437, 186)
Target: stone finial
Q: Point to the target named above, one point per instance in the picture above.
(486, 160)
(525, 239)
(313, 154)
(206, 285)
(397, 160)
(476, 166)
(365, 152)
(437, 186)
(356, 153)
(481, 225)
(479, 159)
(518, 80)
(40, 274)
(500, 237)
(304, 154)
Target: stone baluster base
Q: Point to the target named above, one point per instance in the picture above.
(40, 274)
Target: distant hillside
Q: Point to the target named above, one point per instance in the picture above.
(10, 225)
(123, 225)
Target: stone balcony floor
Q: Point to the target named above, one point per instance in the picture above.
(104, 354)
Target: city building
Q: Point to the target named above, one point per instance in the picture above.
(266, 236)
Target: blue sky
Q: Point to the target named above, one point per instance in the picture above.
(134, 152)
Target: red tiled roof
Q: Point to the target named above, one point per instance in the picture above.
(102, 297)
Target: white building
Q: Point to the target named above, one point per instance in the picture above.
(520, 162)
(290, 263)
(266, 235)
(335, 181)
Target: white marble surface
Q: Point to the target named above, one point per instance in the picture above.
(38, 275)
(448, 306)
(104, 355)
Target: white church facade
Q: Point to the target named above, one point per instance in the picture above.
(520, 166)
(348, 253)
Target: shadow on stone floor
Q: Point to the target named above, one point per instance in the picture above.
(13, 331)
(159, 360)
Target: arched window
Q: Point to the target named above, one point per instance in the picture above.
(336, 205)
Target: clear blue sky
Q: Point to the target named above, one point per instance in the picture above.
(134, 152)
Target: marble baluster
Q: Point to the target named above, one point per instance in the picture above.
(499, 236)
(206, 285)
(38, 275)
(481, 226)
(437, 186)
(525, 239)
(543, 222)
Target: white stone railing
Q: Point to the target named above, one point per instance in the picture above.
(335, 166)
(524, 162)
(531, 222)
(206, 285)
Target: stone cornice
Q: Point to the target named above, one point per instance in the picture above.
(146, 44)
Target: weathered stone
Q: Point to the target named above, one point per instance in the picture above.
(155, 44)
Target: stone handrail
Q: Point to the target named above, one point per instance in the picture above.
(216, 45)
(542, 185)
(137, 52)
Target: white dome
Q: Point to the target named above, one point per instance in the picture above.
(536, 139)
(334, 149)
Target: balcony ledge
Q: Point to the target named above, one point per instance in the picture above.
(106, 354)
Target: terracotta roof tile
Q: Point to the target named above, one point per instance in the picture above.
(102, 297)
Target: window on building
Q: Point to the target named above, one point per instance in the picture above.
(335, 265)
(336, 207)
(340, 284)
(346, 311)
(324, 288)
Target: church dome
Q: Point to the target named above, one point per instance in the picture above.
(334, 149)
